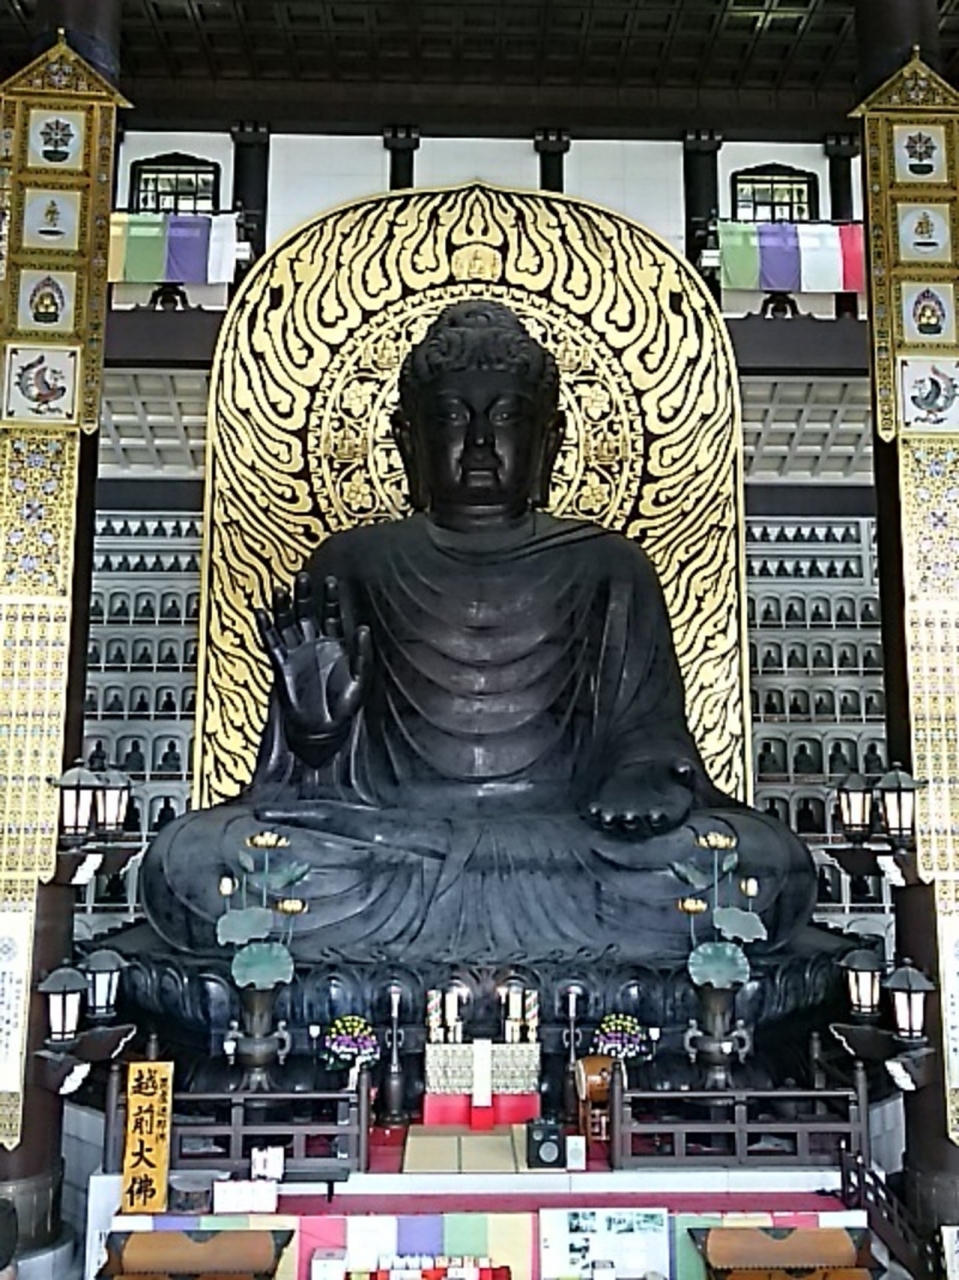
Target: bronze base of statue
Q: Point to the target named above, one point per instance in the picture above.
(194, 1000)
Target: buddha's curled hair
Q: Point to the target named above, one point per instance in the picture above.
(483, 335)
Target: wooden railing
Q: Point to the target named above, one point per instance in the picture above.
(325, 1134)
(761, 1128)
(890, 1220)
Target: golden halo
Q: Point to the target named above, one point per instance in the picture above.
(305, 380)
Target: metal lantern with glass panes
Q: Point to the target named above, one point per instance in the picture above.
(909, 988)
(64, 989)
(78, 802)
(102, 969)
(855, 807)
(112, 799)
(896, 791)
(864, 970)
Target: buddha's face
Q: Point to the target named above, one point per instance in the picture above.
(478, 440)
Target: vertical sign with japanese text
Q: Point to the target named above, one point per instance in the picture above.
(146, 1151)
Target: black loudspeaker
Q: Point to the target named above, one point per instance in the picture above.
(545, 1145)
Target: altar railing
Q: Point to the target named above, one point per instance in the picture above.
(759, 1128)
(325, 1134)
(890, 1220)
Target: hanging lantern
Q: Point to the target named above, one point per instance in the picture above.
(78, 804)
(64, 989)
(909, 989)
(855, 807)
(897, 804)
(111, 800)
(863, 973)
(102, 969)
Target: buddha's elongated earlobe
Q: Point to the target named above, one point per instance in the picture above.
(545, 460)
(405, 438)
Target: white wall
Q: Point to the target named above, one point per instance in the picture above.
(745, 155)
(82, 1156)
(857, 189)
(448, 162)
(217, 147)
(309, 174)
(643, 180)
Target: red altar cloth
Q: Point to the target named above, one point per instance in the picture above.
(458, 1109)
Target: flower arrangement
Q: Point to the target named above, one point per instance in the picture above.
(620, 1035)
(351, 1041)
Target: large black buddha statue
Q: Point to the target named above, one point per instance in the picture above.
(477, 739)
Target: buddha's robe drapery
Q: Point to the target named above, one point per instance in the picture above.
(515, 674)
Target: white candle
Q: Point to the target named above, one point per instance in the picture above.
(572, 1003)
(394, 1002)
(452, 1008)
(515, 1004)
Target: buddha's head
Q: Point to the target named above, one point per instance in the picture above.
(478, 424)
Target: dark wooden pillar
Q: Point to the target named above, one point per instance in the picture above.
(841, 149)
(551, 147)
(402, 142)
(251, 180)
(701, 193)
(92, 28)
(886, 33)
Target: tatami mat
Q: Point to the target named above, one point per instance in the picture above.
(446, 1150)
(431, 1153)
(487, 1153)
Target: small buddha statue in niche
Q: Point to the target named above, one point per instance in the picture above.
(165, 814)
(134, 760)
(170, 761)
(803, 762)
(839, 763)
(477, 737)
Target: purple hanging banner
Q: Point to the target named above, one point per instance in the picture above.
(188, 248)
(779, 262)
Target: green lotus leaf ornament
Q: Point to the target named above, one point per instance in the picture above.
(262, 965)
(734, 922)
(722, 965)
(237, 927)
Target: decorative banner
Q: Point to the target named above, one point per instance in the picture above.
(57, 127)
(911, 158)
(792, 257)
(146, 1152)
(58, 122)
(153, 248)
(912, 162)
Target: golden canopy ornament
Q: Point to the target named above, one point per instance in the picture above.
(305, 380)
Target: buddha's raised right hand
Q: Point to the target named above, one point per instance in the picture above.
(321, 676)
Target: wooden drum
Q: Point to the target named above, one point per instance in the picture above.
(592, 1078)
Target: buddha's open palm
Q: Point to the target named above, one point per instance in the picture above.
(321, 676)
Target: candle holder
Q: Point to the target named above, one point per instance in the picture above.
(572, 1037)
(531, 1014)
(434, 1017)
(394, 1083)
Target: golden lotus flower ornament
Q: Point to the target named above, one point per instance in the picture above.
(267, 840)
(692, 906)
